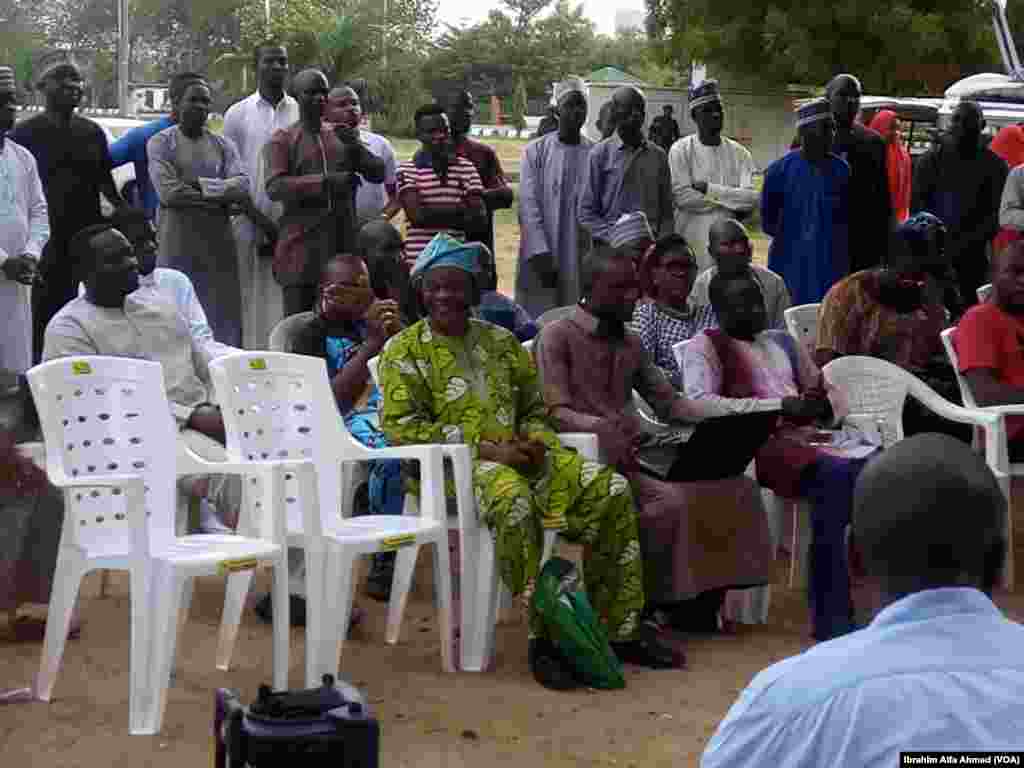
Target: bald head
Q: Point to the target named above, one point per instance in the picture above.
(310, 87)
(729, 245)
(928, 513)
(629, 110)
(843, 93)
(378, 234)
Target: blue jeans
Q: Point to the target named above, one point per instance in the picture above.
(386, 493)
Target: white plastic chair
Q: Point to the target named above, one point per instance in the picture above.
(480, 586)
(984, 292)
(111, 446)
(554, 314)
(876, 391)
(283, 425)
(282, 339)
(802, 324)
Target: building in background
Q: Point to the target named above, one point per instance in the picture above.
(628, 19)
(758, 115)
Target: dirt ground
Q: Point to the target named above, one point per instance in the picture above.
(428, 718)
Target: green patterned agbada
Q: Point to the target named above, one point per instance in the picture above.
(483, 387)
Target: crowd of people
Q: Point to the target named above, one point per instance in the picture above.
(629, 246)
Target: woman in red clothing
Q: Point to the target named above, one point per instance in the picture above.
(897, 162)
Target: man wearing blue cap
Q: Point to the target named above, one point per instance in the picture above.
(712, 175)
(804, 208)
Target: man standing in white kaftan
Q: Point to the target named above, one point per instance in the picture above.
(24, 230)
(551, 177)
(249, 124)
(712, 176)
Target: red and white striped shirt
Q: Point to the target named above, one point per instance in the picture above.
(462, 180)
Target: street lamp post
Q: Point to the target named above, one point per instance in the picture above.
(123, 93)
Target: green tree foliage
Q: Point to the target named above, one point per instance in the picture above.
(903, 46)
(519, 105)
(493, 55)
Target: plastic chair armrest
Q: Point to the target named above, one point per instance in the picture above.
(65, 482)
(585, 443)
(1006, 410)
(182, 412)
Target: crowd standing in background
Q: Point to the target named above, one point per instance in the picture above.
(652, 329)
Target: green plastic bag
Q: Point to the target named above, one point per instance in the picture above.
(574, 628)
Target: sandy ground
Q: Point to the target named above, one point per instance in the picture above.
(428, 718)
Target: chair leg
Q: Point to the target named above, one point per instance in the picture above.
(478, 641)
(1008, 567)
(140, 650)
(443, 601)
(339, 570)
(71, 568)
(167, 592)
(794, 546)
(316, 597)
(236, 591)
(282, 621)
(401, 583)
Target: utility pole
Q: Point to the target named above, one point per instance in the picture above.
(123, 93)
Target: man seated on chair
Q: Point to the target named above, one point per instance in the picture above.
(703, 529)
(939, 667)
(171, 284)
(897, 312)
(989, 341)
(731, 252)
(453, 379)
(744, 367)
(114, 318)
(348, 328)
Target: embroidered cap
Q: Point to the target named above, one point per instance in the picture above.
(629, 229)
(7, 82)
(812, 112)
(571, 84)
(706, 92)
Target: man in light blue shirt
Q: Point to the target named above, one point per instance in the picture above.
(939, 668)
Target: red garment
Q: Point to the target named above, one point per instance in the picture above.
(1004, 238)
(1009, 145)
(898, 165)
(988, 337)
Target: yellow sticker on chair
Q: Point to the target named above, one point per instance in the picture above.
(258, 364)
(391, 543)
(80, 368)
(234, 566)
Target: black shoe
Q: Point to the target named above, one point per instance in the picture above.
(647, 650)
(549, 667)
(378, 583)
(296, 610)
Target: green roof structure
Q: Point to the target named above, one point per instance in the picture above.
(612, 75)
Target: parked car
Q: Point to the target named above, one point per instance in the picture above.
(919, 116)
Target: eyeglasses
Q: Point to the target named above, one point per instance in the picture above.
(680, 269)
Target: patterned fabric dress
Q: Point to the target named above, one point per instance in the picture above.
(363, 421)
(482, 387)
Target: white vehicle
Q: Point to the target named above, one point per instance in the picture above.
(115, 128)
(1001, 96)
